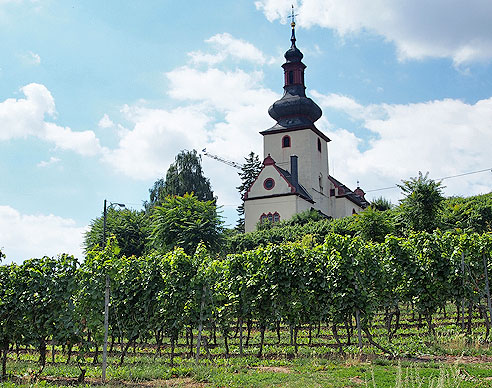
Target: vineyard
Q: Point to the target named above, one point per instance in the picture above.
(390, 299)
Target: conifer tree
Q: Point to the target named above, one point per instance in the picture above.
(248, 174)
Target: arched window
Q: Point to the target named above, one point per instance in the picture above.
(291, 77)
(286, 141)
(275, 217)
(319, 145)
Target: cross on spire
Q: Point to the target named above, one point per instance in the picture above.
(293, 25)
(292, 16)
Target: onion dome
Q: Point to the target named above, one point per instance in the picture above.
(294, 110)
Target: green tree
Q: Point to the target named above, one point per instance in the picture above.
(184, 222)
(250, 170)
(381, 204)
(185, 175)
(130, 227)
(373, 225)
(422, 203)
(472, 214)
(304, 217)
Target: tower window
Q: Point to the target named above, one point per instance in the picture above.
(319, 145)
(286, 141)
(291, 77)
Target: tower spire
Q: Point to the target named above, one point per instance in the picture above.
(294, 109)
(293, 25)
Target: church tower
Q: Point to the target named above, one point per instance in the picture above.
(295, 175)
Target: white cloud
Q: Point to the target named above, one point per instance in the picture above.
(105, 122)
(52, 160)
(25, 236)
(226, 46)
(24, 117)
(444, 29)
(445, 137)
(29, 58)
(147, 150)
(33, 58)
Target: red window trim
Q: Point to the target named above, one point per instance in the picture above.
(272, 215)
(265, 181)
(290, 141)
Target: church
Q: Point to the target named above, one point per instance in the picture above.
(295, 175)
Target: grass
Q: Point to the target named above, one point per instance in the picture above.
(448, 359)
(302, 372)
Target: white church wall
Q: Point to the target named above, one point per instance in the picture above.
(280, 184)
(286, 206)
(344, 207)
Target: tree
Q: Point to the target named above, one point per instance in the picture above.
(184, 222)
(185, 175)
(304, 217)
(381, 204)
(248, 174)
(472, 214)
(373, 225)
(422, 204)
(130, 227)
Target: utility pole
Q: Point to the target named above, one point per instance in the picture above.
(106, 298)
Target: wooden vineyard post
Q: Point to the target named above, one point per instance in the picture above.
(463, 286)
(357, 311)
(487, 289)
(106, 329)
(200, 326)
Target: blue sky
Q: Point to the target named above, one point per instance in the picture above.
(97, 98)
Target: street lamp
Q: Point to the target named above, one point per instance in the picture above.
(111, 204)
(106, 295)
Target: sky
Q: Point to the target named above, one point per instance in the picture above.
(98, 97)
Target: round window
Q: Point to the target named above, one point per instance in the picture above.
(269, 184)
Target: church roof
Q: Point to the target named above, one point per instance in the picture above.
(345, 192)
(299, 188)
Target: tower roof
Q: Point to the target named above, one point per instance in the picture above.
(294, 110)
